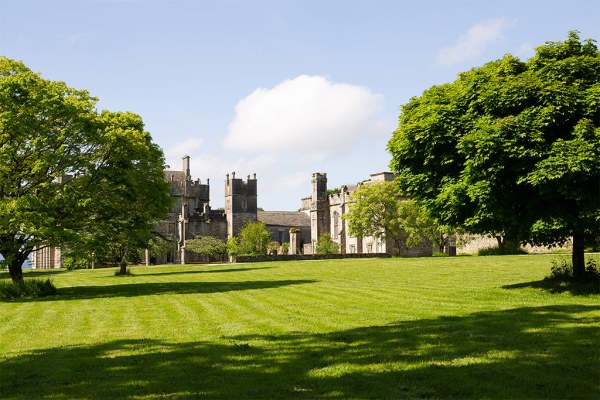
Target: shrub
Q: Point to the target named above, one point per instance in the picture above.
(29, 288)
(326, 245)
(285, 248)
(273, 248)
(561, 271)
(501, 251)
(254, 239)
(72, 261)
(209, 246)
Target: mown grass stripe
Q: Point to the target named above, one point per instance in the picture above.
(394, 328)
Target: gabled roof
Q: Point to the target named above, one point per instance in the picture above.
(284, 218)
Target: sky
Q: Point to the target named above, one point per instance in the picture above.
(282, 89)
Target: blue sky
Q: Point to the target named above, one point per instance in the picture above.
(278, 88)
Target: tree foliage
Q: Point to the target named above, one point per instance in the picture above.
(254, 239)
(326, 245)
(379, 211)
(210, 246)
(510, 148)
(70, 175)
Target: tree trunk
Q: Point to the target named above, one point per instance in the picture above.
(123, 267)
(578, 258)
(16, 272)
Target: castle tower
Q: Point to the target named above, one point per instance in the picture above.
(319, 207)
(240, 202)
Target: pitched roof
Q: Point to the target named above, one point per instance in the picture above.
(178, 176)
(284, 218)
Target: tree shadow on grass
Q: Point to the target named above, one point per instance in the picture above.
(555, 287)
(534, 352)
(37, 273)
(142, 271)
(156, 288)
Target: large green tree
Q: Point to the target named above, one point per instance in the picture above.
(70, 175)
(510, 149)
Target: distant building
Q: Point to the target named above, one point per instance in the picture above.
(191, 216)
(326, 208)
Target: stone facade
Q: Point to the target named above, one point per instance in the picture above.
(240, 202)
(326, 208)
(191, 216)
(280, 223)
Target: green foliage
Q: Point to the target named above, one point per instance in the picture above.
(378, 210)
(75, 260)
(501, 251)
(233, 246)
(72, 176)
(33, 287)
(326, 245)
(562, 270)
(511, 148)
(215, 249)
(254, 239)
(285, 248)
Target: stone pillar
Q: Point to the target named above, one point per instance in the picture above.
(293, 241)
(147, 257)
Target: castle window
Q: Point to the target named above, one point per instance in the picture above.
(336, 225)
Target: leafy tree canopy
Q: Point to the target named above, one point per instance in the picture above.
(379, 211)
(510, 148)
(70, 175)
(210, 246)
(326, 245)
(254, 239)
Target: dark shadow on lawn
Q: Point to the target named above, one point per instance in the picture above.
(146, 272)
(37, 273)
(155, 288)
(551, 286)
(536, 352)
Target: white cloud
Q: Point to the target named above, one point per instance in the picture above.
(293, 181)
(473, 43)
(308, 114)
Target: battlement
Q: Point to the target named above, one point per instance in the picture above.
(236, 186)
(240, 202)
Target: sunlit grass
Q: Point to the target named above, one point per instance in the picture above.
(464, 327)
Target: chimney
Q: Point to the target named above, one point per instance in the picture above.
(186, 167)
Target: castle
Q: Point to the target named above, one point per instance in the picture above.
(191, 216)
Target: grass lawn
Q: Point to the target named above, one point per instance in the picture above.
(463, 327)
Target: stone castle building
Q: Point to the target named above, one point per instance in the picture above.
(192, 216)
(326, 208)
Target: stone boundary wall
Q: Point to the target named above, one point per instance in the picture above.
(292, 257)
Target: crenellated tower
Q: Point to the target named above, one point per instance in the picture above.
(240, 202)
